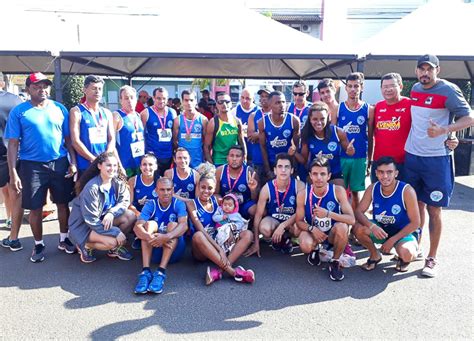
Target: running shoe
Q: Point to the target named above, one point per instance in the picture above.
(157, 282)
(67, 246)
(212, 275)
(244, 276)
(38, 253)
(85, 254)
(430, 267)
(137, 244)
(120, 252)
(14, 244)
(313, 257)
(335, 272)
(144, 279)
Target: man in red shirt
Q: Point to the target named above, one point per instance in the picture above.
(142, 101)
(392, 122)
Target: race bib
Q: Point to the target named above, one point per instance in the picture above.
(280, 216)
(245, 128)
(323, 224)
(138, 148)
(164, 135)
(98, 135)
(137, 136)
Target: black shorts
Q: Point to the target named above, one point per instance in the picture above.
(37, 177)
(335, 176)
(4, 176)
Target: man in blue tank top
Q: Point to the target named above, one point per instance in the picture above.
(355, 117)
(161, 224)
(323, 216)
(279, 132)
(242, 111)
(38, 133)
(300, 106)
(237, 178)
(252, 132)
(278, 199)
(158, 122)
(91, 125)
(185, 179)
(396, 217)
(189, 129)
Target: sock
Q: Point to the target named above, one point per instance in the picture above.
(37, 242)
(62, 236)
(162, 270)
(146, 268)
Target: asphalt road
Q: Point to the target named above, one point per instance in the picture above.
(62, 298)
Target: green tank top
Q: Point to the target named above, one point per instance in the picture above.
(226, 137)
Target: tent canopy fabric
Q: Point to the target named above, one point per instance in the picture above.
(170, 43)
(435, 28)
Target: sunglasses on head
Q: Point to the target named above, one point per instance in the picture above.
(299, 93)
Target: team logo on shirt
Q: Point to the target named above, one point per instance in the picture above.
(172, 218)
(276, 143)
(393, 124)
(242, 188)
(436, 196)
(332, 146)
(198, 128)
(292, 200)
(142, 201)
(286, 133)
(154, 194)
(351, 129)
(190, 187)
(162, 228)
(385, 219)
(361, 119)
(429, 101)
(155, 124)
(170, 124)
(396, 209)
(331, 206)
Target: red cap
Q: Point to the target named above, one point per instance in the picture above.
(36, 78)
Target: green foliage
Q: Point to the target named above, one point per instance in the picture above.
(72, 90)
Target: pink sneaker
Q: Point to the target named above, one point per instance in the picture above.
(348, 250)
(212, 275)
(245, 276)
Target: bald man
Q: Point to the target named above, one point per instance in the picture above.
(242, 111)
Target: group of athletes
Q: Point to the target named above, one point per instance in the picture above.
(251, 174)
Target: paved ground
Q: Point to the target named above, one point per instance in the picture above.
(62, 298)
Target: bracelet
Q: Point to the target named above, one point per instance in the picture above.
(310, 228)
(327, 214)
(447, 130)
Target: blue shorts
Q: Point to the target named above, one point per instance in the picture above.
(431, 177)
(175, 257)
(244, 208)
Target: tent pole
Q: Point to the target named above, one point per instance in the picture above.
(129, 78)
(360, 66)
(57, 79)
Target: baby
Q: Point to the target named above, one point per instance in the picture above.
(229, 222)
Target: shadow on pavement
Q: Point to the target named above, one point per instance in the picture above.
(187, 305)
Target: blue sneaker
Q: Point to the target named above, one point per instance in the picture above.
(156, 285)
(14, 244)
(38, 253)
(137, 244)
(121, 253)
(144, 279)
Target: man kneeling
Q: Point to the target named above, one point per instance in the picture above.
(395, 217)
(323, 215)
(161, 224)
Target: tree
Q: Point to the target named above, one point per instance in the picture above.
(72, 90)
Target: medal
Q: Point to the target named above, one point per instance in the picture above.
(188, 137)
(188, 129)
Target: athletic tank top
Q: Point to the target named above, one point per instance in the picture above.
(159, 139)
(390, 211)
(278, 137)
(184, 187)
(284, 206)
(92, 133)
(237, 186)
(244, 118)
(226, 136)
(331, 150)
(205, 217)
(194, 145)
(142, 193)
(165, 215)
(328, 201)
(130, 144)
(254, 148)
(354, 123)
(302, 114)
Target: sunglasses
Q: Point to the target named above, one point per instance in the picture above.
(299, 93)
(223, 101)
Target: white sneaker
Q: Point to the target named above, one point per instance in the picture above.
(420, 255)
(430, 267)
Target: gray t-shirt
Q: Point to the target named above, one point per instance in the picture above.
(7, 102)
(441, 104)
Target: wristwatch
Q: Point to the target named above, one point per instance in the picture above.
(310, 228)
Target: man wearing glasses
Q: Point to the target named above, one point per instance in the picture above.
(223, 131)
(300, 106)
